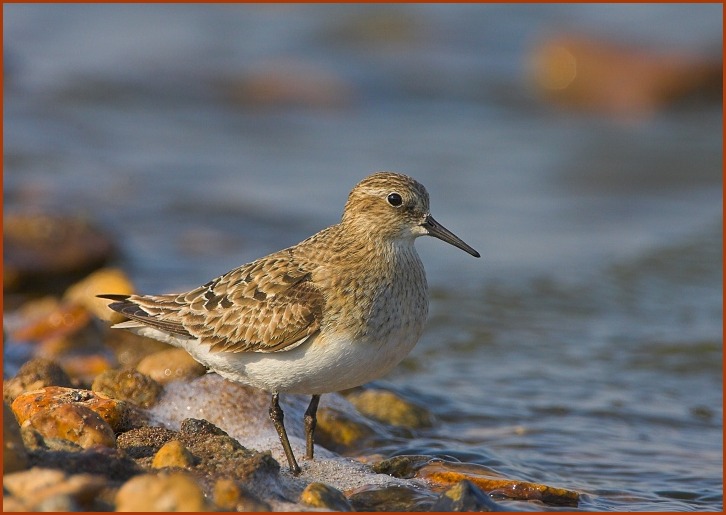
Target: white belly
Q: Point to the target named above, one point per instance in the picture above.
(316, 367)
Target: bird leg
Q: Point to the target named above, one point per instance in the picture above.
(310, 422)
(277, 416)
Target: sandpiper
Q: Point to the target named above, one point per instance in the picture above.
(337, 310)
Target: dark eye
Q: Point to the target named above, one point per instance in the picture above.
(394, 199)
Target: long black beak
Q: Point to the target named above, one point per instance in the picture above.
(437, 230)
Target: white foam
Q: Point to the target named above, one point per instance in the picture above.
(242, 412)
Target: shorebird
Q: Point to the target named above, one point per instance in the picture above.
(337, 310)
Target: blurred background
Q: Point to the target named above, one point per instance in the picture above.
(577, 147)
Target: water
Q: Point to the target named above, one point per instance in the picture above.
(583, 350)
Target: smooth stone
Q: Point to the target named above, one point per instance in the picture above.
(320, 495)
(163, 492)
(339, 432)
(106, 280)
(172, 454)
(389, 408)
(447, 473)
(113, 411)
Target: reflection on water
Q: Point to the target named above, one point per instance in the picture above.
(583, 349)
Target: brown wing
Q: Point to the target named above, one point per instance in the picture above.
(266, 306)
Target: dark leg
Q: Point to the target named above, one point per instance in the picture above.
(310, 422)
(276, 415)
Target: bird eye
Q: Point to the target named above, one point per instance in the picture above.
(394, 199)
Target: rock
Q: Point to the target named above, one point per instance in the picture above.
(339, 432)
(447, 473)
(34, 375)
(106, 280)
(73, 422)
(128, 385)
(465, 496)
(389, 408)
(171, 365)
(228, 495)
(114, 412)
(48, 252)
(41, 489)
(64, 320)
(320, 495)
(172, 454)
(214, 454)
(15, 457)
(617, 80)
(163, 492)
(220, 455)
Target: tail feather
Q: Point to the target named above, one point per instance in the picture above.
(126, 305)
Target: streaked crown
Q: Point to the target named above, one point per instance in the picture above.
(389, 205)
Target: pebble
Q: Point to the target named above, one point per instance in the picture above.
(175, 491)
(128, 385)
(320, 495)
(338, 431)
(171, 365)
(172, 454)
(389, 408)
(447, 473)
(106, 280)
(113, 411)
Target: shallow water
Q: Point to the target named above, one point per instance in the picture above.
(583, 350)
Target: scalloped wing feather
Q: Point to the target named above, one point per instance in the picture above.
(269, 305)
